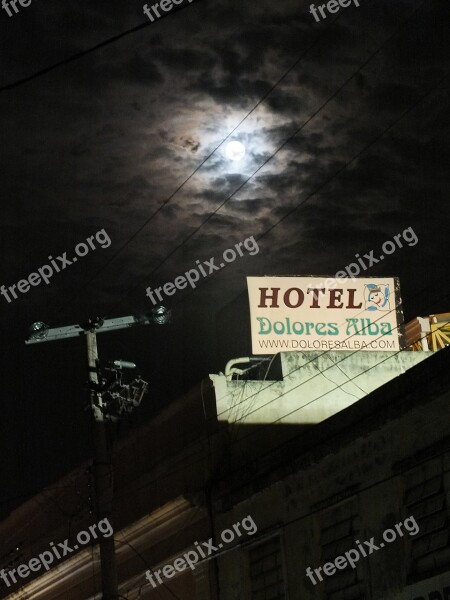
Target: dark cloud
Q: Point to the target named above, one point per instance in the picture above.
(112, 140)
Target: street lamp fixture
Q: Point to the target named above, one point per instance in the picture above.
(38, 331)
(161, 315)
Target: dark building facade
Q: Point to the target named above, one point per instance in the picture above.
(359, 476)
(355, 506)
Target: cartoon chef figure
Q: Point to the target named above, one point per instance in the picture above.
(377, 297)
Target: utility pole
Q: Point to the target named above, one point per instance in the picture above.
(103, 474)
(125, 397)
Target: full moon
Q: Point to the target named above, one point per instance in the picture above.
(235, 150)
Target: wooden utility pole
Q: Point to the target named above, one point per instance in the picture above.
(103, 475)
(103, 470)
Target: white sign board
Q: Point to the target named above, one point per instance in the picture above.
(291, 314)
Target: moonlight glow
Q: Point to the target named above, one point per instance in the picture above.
(235, 150)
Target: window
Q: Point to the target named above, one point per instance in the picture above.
(427, 500)
(338, 533)
(266, 571)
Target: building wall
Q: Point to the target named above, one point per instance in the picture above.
(347, 477)
(315, 386)
(364, 479)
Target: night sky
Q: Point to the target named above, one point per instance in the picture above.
(345, 124)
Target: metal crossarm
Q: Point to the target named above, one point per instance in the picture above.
(69, 331)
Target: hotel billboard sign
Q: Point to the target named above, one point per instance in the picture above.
(291, 314)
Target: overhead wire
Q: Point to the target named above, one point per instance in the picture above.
(260, 101)
(317, 111)
(82, 53)
(278, 526)
(393, 124)
(202, 162)
(272, 449)
(343, 85)
(330, 178)
(275, 528)
(370, 144)
(255, 432)
(286, 142)
(164, 585)
(339, 385)
(32, 495)
(283, 145)
(322, 353)
(365, 148)
(184, 466)
(335, 364)
(347, 356)
(330, 350)
(245, 410)
(190, 518)
(272, 227)
(287, 375)
(378, 137)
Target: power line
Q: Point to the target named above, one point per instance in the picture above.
(303, 202)
(205, 159)
(191, 516)
(347, 164)
(275, 528)
(333, 176)
(348, 356)
(419, 294)
(126, 543)
(204, 282)
(322, 354)
(185, 466)
(338, 172)
(271, 156)
(199, 166)
(151, 217)
(391, 126)
(272, 450)
(326, 393)
(81, 53)
(320, 109)
(189, 519)
(200, 438)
